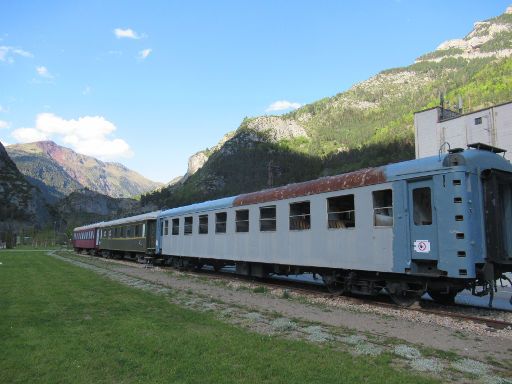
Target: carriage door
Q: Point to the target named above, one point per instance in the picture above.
(98, 236)
(151, 234)
(422, 220)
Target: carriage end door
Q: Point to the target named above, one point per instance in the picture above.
(422, 220)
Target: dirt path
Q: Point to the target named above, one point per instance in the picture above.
(367, 333)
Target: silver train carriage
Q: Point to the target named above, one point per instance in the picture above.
(438, 225)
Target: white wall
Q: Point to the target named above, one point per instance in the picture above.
(495, 129)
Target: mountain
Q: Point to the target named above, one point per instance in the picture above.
(370, 124)
(59, 171)
(86, 206)
(21, 204)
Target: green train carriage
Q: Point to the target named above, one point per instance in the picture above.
(131, 237)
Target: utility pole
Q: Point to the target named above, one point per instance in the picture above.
(270, 173)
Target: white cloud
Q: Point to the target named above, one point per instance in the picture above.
(126, 33)
(2, 109)
(7, 53)
(144, 53)
(43, 72)
(282, 105)
(87, 90)
(28, 135)
(89, 135)
(4, 124)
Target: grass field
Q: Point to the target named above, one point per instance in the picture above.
(62, 324)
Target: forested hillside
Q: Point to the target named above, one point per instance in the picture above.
(370, 124)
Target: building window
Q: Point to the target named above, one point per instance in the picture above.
(203, 224)
(422, 202)
(478, 121)
(176, 226)
(300, 217)
(187, 230)
(242, 220)
(166, 227)
(268, 218)
(220, 222)
(383, 208)
(341, 212)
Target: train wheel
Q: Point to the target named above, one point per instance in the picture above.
(198, 266)
(332, 285)
(402, 294)
(446, 298)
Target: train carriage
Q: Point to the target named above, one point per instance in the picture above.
(440, 224)
(131, 237)
(85, 238)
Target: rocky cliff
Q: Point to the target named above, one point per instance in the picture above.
(21, 204)
(86, 206)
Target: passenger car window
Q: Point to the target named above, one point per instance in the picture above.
(203, 224)
(166, 227)
(176, 226)
(242, 220)
(187, 230)
(383, 208)
(422, 206)
(220, 222)
(341, 212)
(300, 218)
(268, 218)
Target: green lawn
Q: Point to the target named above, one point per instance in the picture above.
(60, 323)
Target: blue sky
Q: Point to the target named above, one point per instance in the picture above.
(148, 83)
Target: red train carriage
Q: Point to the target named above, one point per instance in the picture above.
(86, 238)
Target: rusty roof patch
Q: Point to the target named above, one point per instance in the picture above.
(355, 179)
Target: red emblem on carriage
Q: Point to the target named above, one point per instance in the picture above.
(422, 246)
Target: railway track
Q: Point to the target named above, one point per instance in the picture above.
(309, 288)
(319, 290)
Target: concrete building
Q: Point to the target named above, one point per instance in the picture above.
(435, 126)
